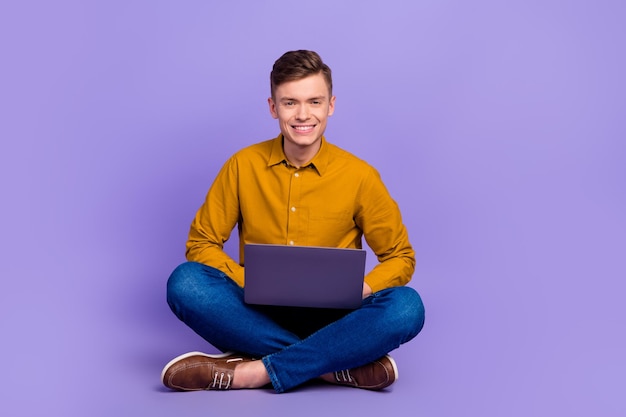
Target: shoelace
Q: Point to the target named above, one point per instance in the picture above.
(345, 376)
(221, 375)
(219, 383)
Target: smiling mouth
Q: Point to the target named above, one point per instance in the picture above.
(304, 129)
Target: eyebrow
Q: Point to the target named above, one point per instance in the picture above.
(320, 98)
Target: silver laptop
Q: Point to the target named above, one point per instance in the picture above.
(303, 276)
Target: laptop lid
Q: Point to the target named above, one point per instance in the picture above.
(303, 276)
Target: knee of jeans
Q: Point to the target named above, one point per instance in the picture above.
(182, 280)
(409, 314)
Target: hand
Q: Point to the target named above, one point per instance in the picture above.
(367, 290)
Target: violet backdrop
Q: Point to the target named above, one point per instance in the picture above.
(498, 127)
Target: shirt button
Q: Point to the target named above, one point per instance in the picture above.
(293, 209)
(291, 242)
(296, 175)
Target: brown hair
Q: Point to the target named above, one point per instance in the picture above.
(295, 65)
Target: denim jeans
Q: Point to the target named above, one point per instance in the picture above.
(295, 344)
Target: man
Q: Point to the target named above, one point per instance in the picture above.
(296, 189)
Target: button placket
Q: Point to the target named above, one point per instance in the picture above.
(293, 218)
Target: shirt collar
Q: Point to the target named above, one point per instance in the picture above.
(319, 161)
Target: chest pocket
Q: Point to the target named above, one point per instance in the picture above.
(330, 228)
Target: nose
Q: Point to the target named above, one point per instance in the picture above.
(303, 112)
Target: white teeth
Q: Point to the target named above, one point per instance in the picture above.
(303, 127)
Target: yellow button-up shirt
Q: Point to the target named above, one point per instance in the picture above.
(333, 201)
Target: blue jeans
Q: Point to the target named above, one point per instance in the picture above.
(295, 344)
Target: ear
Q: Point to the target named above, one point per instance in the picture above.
(331, 106)
(273, 112)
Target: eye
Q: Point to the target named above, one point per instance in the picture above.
(289, 103)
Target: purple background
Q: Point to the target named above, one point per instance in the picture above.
(497, 125)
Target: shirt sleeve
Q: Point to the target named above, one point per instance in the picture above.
(381, 222)
(214, 222)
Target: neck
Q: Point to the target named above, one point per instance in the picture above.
(300, 155)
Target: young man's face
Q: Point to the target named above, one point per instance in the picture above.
(302, 108)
